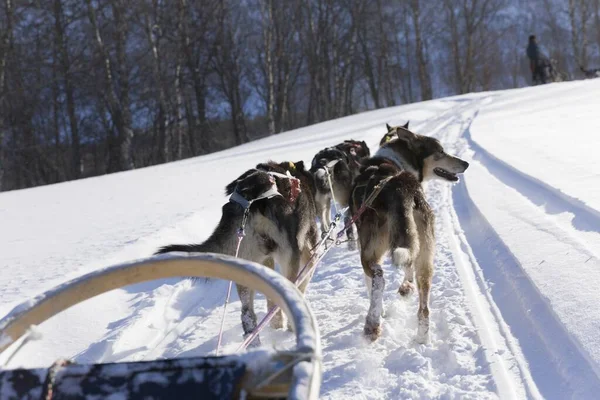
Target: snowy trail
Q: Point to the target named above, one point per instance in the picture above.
(556, 360)
(457, 363)
(513, 302)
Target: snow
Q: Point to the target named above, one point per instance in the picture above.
(514, 298)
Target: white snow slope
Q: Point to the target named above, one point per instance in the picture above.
(515, 298)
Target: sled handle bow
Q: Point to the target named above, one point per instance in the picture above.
(305, 374)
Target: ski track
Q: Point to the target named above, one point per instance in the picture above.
(493, 334)
(546, 352)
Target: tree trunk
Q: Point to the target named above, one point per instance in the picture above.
(584, 12)
(69, 90)
(124, 126)
(267, 16)
(6, 48)
(424, 78)
(56, 116)
(164, 136)
(178, 111)
(119, 108)
(575, 39)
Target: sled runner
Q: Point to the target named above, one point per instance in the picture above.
(257, 374)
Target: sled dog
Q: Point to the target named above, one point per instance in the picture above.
(398, 220)
(335, 168)
(280, 227)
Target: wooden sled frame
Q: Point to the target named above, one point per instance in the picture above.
(294, 374)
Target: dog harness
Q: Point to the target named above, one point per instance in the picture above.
(236, 197)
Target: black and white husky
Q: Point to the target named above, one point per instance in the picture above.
(398, 220)
(280, 227)
(334, 170)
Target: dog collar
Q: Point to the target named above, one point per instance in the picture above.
(242, 201)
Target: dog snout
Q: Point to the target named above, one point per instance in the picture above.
(465, 165)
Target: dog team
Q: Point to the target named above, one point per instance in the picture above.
(278, 204)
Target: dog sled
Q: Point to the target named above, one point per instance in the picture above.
(255, 374)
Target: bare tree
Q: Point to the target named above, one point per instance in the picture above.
(424, 77)
(6, 43)
(465, 19)
(118, 107)
(65, 63)
(228, 66)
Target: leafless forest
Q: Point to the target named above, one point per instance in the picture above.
(90, 87)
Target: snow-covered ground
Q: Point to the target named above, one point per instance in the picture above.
(515, 298)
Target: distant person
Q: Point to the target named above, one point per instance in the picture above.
(537, 61)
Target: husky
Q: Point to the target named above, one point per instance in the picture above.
(335, 168)
(398, 220)
(590, 73)
(280, 228)
(391, 133)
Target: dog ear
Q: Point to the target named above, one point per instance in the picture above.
(405, 126)
(389, 128)
(403, 133)
(367, 150)
(231, 187)
(300, 165)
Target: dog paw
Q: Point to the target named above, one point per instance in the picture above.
(372, 332)
(406, 288)
(422, 338)
(352, 246)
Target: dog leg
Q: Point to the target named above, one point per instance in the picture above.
(277, 321)
(424, 269)
(368, 285)
(372, 329)
(248, 316)
(401, 257)
(304, 259)
(424, 275)
(350, 234)
(289, 261)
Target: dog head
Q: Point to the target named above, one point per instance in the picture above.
(424, 156)
(354, 148)
(330, 160)
(391, 133)
(251, 184)
(326, 156)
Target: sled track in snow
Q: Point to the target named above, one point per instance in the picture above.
(554, 359)
(538, 192)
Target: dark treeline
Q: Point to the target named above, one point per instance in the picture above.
(89, 87)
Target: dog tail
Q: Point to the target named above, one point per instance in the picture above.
(184, 248)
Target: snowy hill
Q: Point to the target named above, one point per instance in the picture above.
(515, 297)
